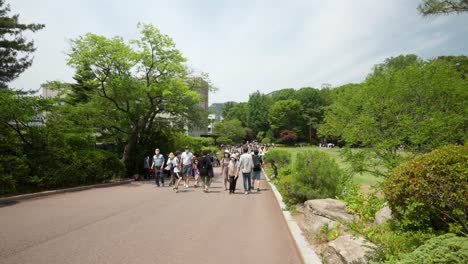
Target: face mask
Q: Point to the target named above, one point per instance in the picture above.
(157, 152)
(186, 151)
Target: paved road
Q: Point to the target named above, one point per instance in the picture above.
(139, 223)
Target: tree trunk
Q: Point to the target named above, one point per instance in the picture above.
(128, 156)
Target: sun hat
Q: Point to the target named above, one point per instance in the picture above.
(233, 156)
(171, 155)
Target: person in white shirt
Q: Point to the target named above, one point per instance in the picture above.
(176, 166)
(158, 165)
(186, 160)
(245, 165)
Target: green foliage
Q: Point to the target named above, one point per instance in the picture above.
(239, 111)
(406, 102)
(391, 242)
(230, 131)
(447, 249)
(364, 205)
(286, 114)
(315, 175)
(430, 191)
(266, 140)
(137, 83)
(442, 7)
(326, 234)
(257, 114)
(14, 47)
(277, 158)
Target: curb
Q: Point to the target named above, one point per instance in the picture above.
(307, 254)
(47, 193)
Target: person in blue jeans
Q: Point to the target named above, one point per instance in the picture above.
(246, 165)
(158, 165)
(146, 166)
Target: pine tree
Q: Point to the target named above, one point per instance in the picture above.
(15, 49)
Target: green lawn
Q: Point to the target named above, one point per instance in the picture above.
(366, 180)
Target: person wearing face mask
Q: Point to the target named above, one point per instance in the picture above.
(232, 168)
(186, 160)
(158, 165)
(224, 168)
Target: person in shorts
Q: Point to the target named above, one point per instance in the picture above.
(186, 160)
(257, 170)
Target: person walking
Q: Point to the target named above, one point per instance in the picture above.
(186, 160)
(158, 165)
(232, 169)
(224, 168)
(195, 171)
(176, 167)
(146, 166)
(257, 169)
(246, 166)
(205, 167)
(169, 169)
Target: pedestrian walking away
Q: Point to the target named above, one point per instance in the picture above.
(224, 168)
(246, 166)
(257, 170)
(186, 160)
(232, 172)
(205, 167)
(146, 166)
(158, 165)
(176, 166)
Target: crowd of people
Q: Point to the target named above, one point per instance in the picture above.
(180, 168)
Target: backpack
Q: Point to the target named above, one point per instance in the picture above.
(257, 163)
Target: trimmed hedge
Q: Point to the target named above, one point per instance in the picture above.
(431, 190)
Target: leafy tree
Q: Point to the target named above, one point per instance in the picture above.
(137, 83)
(286, 114)
(283, 94)
(237, 111)
(257, 113)
(229, 131)
(313, 104)
(288, 137)
(442, 7)
(420, 106)
(15, 49)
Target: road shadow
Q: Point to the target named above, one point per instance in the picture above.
(8, 203)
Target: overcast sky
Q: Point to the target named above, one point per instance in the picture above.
(247, 45)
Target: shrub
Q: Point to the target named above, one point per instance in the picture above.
(447, 248)
(288, 137)
(365, 205)
(430, 191)
(266, 140)
(316, 175)
(277, 158)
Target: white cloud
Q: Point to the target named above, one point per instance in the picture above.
(251, 45)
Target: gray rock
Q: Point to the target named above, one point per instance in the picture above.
(383, 215)
(313, 222)
(300, 208)
(329, 208)
(346, 249)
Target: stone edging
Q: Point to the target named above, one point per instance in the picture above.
(307, 254)
(47, 193)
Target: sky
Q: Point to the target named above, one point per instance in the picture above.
(245, 45)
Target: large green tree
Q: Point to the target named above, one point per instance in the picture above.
(313, 104)
(137, 83)
(257, 112)
(438, 7)
(286, 115)
(15, 49)
(420, 106)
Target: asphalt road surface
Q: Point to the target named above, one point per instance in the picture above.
(140, 223)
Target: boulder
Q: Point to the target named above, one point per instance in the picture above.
(324, 211)
(347, 249)
(383, 215)
(300, 208)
